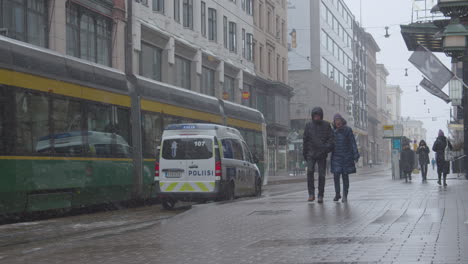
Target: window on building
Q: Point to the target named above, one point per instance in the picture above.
(188, 13)
(225, 32)
(203, 18)
(247, 88)
(260, 57)
(284, 71)
(88, 35)
(249, 7)
(212, 24)
(250, 47)
(260, 15)
(229, 84)
(243, 4)
(150, 65)
(244, 54)
(269, 63)
(25, 20)
(232, 37)
(177, 11)
(208, 81)
(182, 76)
(269, 20)
(277, 29)
(278, 68)
(158, 5)
(283, 32)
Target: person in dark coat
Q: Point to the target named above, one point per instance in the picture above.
(318, 141)
(343, 157)
(423, 152)
(443, 166)
(407, 161)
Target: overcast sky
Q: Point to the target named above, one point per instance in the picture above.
(376, 14)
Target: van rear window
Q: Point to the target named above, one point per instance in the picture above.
(187, 148)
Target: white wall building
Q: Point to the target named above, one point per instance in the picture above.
(204, 46)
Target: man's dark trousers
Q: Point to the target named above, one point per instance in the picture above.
(321, 176)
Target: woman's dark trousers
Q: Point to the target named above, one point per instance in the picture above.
(345, 183)
(424, 172)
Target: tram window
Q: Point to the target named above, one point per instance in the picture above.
(152, 132)
(123, 124)
(32, 122)
(100, 118)
(67, 120)
(7, 120)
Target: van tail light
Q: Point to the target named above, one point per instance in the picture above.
(156, 169)
(218, 169)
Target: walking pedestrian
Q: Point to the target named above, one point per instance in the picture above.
(343, 157)
(443, 166)
(407, 161)
(370, 163)
(433, 163)
(423, 152)
(319, 140)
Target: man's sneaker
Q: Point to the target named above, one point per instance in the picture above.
(445, 184)
(311, 198)
(337, 198)
(320, 200)
(345, 199)
(438, 182)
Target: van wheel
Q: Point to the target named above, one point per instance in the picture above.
(230, 195)
(258, 187)
(168, 204)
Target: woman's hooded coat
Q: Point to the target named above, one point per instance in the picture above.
(346, 152)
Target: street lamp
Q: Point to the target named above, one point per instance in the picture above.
(454, 39)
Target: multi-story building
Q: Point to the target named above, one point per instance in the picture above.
(90, 30)
(414, 130)
(374, 144)
(393, 94)
(205, 46)
(321, 60)
(383, 115)
(271, 90)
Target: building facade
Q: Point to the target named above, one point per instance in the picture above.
(383, 114)
(414, 130)
(235, 50)
(89, 30)
(271, 88)
(374, 144)
(320, 59)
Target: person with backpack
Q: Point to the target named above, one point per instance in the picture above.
(407, 161)
(443, 166)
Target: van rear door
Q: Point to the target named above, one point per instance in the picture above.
(187, 164)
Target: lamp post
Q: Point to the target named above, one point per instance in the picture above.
(454, 43)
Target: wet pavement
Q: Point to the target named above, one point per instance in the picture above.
(384, 221)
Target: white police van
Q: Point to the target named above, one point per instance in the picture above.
(199, 162)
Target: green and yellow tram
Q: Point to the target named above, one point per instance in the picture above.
(66, 136)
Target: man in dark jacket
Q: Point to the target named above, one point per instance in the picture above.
(443, 166)
(344, 156)
(319, 140)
